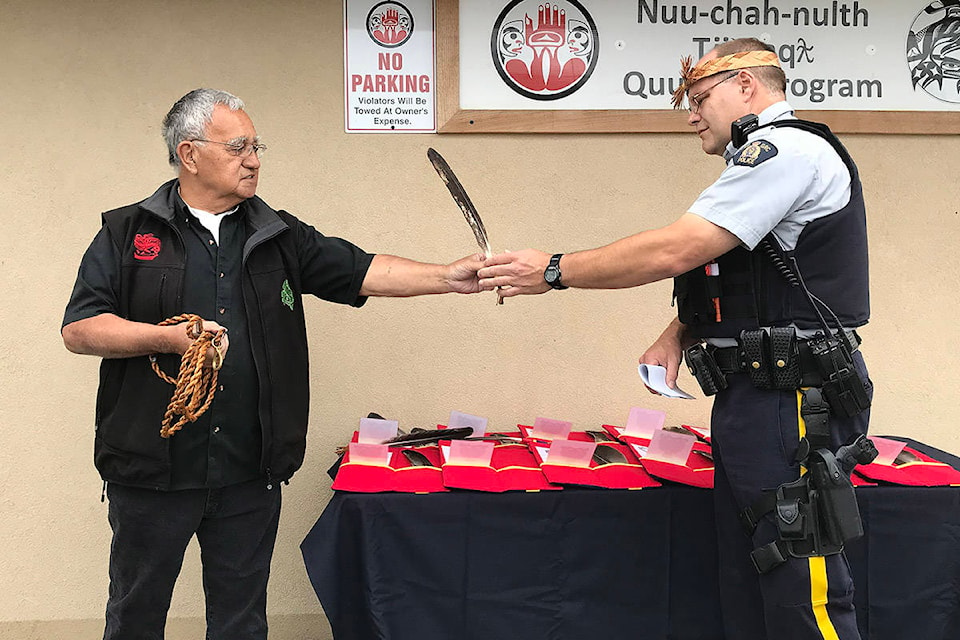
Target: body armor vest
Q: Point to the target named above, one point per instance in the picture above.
(752, 290)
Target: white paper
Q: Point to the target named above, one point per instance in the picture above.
(655, 377)
(639, 449)
(705, 433)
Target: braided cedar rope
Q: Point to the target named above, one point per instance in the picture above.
(195, 384)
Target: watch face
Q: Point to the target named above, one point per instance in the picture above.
(550, 275)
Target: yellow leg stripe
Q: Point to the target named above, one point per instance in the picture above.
(818, 598)
(800, 423)
(818, 566)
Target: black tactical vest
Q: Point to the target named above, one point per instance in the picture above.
(831, 255)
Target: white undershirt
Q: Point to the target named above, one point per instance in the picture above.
(211, 220)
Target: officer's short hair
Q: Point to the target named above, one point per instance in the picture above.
(773, 78)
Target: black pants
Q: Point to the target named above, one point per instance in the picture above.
(755, 438)
(236, 527)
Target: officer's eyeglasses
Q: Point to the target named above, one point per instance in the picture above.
(695, 102)
(239, 148)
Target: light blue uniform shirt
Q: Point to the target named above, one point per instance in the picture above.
(797, 178)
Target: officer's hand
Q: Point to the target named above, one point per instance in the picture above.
(517, 272)
(667, 353)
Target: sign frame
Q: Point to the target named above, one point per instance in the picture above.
(397, 99)
(451, 118)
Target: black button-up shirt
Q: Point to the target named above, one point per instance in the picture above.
(223, 446)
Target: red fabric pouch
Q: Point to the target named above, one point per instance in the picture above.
(613, 475)
(512, 468)
(398, 474)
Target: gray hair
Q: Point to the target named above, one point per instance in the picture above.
(189, 116)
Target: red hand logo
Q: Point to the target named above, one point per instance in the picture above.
(392, 32)
(551, 53)
(551, 27)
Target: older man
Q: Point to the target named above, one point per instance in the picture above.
(204, 244)
(770, 264)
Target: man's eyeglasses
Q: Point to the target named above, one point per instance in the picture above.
(238, 148)
(695, 102)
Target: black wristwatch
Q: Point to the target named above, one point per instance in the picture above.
(552, 273)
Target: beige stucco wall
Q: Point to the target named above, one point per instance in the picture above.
(84, 87)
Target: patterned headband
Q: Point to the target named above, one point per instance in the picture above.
(732, 62)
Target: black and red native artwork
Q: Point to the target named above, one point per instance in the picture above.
(390, 24)
(146, 246)
(547, 59)
(933, 50)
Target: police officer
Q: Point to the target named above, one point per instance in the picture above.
(787, 209)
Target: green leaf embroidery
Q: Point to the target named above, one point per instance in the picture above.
(286, 294)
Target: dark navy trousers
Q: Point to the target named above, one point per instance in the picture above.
(755, 436)
(236, 528)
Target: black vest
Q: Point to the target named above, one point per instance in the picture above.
(131, 399)
(831, 254)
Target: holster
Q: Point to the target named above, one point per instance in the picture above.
(815, 515)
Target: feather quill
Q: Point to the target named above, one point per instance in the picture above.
(417, 459)
(463, 201)
(606, 454)
(422, 436)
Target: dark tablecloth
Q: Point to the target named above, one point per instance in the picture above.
(615, 565)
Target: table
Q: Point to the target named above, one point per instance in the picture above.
(618, 565)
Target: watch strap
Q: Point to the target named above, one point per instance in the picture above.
(553, 270)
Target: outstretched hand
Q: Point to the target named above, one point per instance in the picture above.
(516, 272)
(462, 274)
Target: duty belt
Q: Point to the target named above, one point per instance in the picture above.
(744, 359)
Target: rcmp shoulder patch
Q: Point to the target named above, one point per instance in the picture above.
(755, 153)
